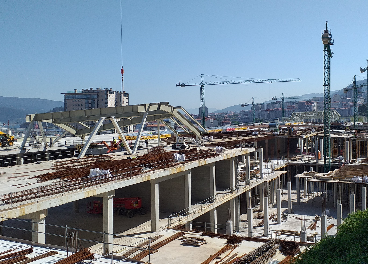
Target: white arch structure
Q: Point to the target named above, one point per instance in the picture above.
(121, 116)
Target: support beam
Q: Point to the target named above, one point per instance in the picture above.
(108, 221)
(140, 130)
(28, 132)
(43, 135)
(89, 140)
(323, 225)
(121, 134)
(155, 206)
(213, 220)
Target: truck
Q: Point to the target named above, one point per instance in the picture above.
(124, 206)
(6, 140)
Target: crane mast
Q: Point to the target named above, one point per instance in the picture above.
(327, 42)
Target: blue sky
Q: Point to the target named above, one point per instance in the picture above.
(50, 47)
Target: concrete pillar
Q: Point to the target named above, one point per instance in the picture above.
(350, 149)
(212, 180)
(323, 225)
(237, 214)
(278, 201)
(347, 151)
(321, 147)
(232, 211)
(316, 148)
(255, 152)
(250, 222)
(261, 195)
(38, 227)
(213, 213)
(213, 220)
(364, 198)
(232, 174)
(261, 162)
(155, 206)
(339, 213)
(248, 197)
(188, 196)
(297, 182)
(247, 169)
(265, 217)
(301, 145)
(229, 228)
(352, 203)
(266, 148)
(108, 220)
(272, 192)
(19, 159)
(303, 235)
(289, 197)
(305, 187)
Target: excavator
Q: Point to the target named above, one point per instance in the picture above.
(6, 140)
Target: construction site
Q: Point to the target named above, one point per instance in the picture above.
(245, 196)
(253, 194)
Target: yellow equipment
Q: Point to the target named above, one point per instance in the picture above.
(6, 140)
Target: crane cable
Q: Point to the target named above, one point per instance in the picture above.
(121, 46)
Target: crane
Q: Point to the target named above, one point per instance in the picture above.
(202, 84)
(355, 98)
(253, 110)
(363, 70)
(327, 42)
(282, 104)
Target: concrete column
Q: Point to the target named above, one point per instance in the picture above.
(278, 201)
(347, 151)
(316, 148)
(237, 214)
(339, 213)
(247, 169)
(108, 221)
(38, 227)
(250, 222)
(364, 198)
(352, 203)
(155, 206)
(334, 185)
(232, 211)
(297, 182)
(213, 220)
(261, 162)
(305, 187)
(350, 150)
(229, 228)
(303, 234)
(266, 148)
(19, 159)
(265, 217)
(232, 174)
(188, 195)
(261, 196)
(213, 213)
(255, 152)
(323, 225)
(321, 148)
(272, 192)
(301, 146)
(289, 197)
(248, 197)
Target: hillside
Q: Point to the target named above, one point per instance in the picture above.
(15, 109)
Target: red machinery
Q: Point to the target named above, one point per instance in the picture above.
(124, 206)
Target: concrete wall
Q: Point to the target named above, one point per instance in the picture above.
(172, 196)
(223, 174)
(200, 183)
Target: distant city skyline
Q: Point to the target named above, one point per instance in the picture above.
(51, 47)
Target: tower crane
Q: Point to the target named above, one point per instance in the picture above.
(327, 42)
(282, 104)
(355, 98)
(253, 110)
(202, 84)
(363, 70)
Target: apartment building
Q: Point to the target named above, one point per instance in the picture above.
(94, 98)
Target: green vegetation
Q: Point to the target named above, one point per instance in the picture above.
(350, 245)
